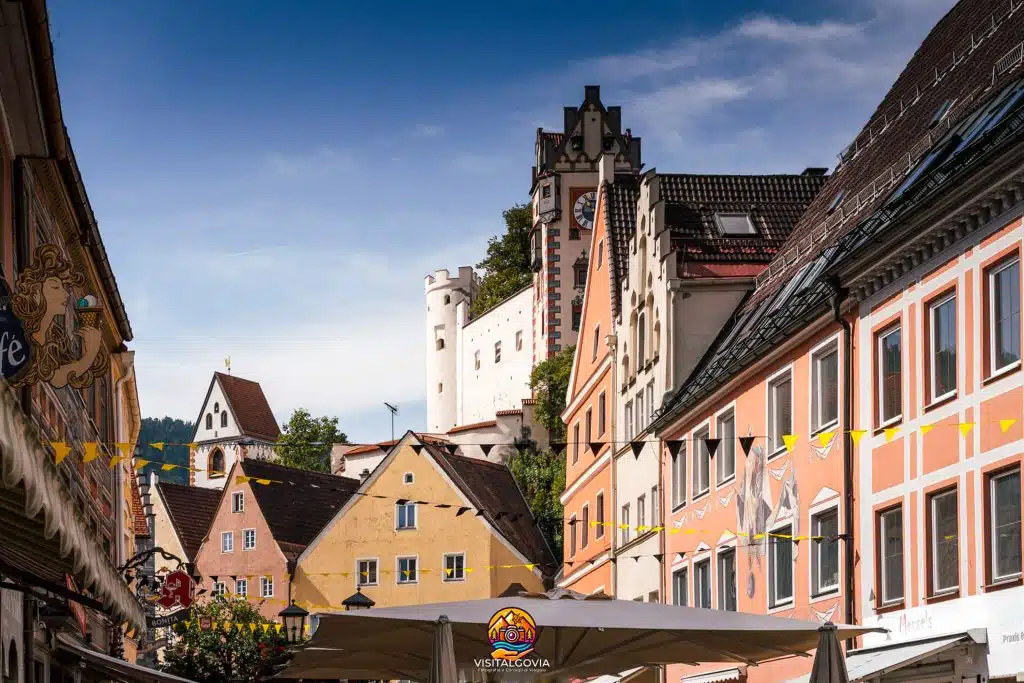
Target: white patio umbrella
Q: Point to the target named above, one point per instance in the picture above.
(578, 635)
(443, 668)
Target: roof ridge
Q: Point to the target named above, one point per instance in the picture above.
(321, 475)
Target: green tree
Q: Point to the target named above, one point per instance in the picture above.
(507, 265)
(541, 476)
(550, 382)
(225, 654)
(306, 441)
(166, 430)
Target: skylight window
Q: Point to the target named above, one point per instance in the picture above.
(735, 224)
(836, 201)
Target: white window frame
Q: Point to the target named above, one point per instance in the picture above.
(585, 525)
(399, 578)
(227, 542)
(700, 452)
(246, 534)
(817, 591)
(931, 308)
(638, 410)
(725, 548)
(685, 567)
(629, 421)
(704, 559)
(219, 588)
(575, 442)
(880, 545)
(600, 518)
(237, 502)
(933, 551)
(408, 478)
(679, 487)
(359, 572)
(990, 276)
(776, 444)
(655, 506)
(266, 582)
(242, 587)
(726, 445)
(415, 516)
(993, 552)
(624, 528)
(884, 421)
(573, 536)
(650, 402)
(775, 605)
(444, 568)
(819, 352)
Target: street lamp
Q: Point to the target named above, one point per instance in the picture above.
(357, 601)
(294, 618)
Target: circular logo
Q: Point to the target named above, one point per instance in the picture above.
(512, 633)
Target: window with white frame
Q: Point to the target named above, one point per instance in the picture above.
(624, 525)
(248, 539)
(588, 427)
(227, 542)
(641, 512)
(727, 580)
(650, 402)
(890, 375)
(701, 463)
(407, 570)
(942, 347)
(602, 413)
(780, 567)
(641, 342)
(1005, 525)
(366, 572)
(219, 588)
(629, 421)
(945, 555)
(725, 459)
(702, 584)
(641, 424)
(1004, 315)
(408, 478)
(575, 443)
(681, 587)
(237, 502)
(585, 523)
(780, 411)
(405, 515)
(572, 535)
(455, 567)
(599, 504)
(679, 477)
(825, 552)
(655, 507)
(241, 587)
(825, 387)
(266, 586)
(890, 527)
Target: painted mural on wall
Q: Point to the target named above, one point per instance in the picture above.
(62, 332)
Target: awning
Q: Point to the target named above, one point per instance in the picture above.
(44, 536)
(116, 668)
(615, 678)
(714, 676)
(870, 663)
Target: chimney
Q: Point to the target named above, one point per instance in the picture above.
(569, 116)
(592, 94)
(814, 171)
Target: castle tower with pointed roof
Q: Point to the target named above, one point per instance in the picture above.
(235, 423)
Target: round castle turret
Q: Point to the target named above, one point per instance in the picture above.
(444, 294)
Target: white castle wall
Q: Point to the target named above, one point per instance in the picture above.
(200, 457)
(443, 294)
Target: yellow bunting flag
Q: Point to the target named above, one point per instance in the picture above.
(789, 440)
(214, 626)
(278, 627)
(227, 625)
(140, 463)
(448, 571)
(167, 467)
(1006, 424)
(926, 428)
(265, 482)
(242, 479)
(252, 627)
(61, 450)
(265, 627)
(966, 427)
(159, 445)
(529, 566)
(857, 435)
(825, 438)
(469, 570)
(192, 446)
(891, 432)
(188, 624)
(92, 451)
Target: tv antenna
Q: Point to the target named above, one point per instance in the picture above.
(394, 411)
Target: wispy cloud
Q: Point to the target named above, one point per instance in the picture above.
(325, 160)
(786, 31)
(426, 130)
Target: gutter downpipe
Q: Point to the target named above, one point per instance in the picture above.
(613, 345)
(836, 299)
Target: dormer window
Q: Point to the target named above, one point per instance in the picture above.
(736, 224)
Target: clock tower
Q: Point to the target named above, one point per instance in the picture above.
(564, 197)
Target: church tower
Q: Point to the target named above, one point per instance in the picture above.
(564, 198)
(444, 295)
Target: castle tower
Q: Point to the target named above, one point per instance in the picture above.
(444, 294)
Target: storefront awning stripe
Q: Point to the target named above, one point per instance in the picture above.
(118, 667)
(732, 674)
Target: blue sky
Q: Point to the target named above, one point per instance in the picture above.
(274, 180)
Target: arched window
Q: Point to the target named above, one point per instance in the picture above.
(642, 248)
(224, 419)
(216, 467)
(447, 299)
(641, 341)
(625, 368)
(439, 344)
(632, 335)
(651, 349)
(656, 340)
(216, 408)
(209, 421)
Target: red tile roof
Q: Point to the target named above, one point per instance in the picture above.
(471, 427)
(248, 404)
(191, 509)
(139, 524)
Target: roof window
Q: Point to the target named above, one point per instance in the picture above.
(735, 224)
(836, 201)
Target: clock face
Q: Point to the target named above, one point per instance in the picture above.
(584, 209)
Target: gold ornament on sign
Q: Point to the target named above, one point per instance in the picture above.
(43, 300)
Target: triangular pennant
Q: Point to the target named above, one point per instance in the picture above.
(167, 466)
(417, 448)
(114, 459)
(188, 624)
(451, 447)
(966, 427)
(486, 448)
(857, 435)
(636, 558)
(789, 440)
(140, 463)
(637, 446)
(159, 445)
(265, 482)
(192, 446)
(238, 626)
(252, 628)
(530, 566)
(61, 450)
(891, 432)
(242, 479)
(825, 438)
(746, 443)
(681, 555)
(448, 571)
(92, 451)
(1006, 424)
(462, 511)
(214, 578)
(557, 447)
(227, 625)
(278, 627)
(595, 446)
(265, 627)
(712, 446)
(673, 447)
(926, 428)
(213, 625)
(402, 501)
(479, 513)
(658, 556)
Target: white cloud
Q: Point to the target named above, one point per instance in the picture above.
(786, 31)
(426, 130)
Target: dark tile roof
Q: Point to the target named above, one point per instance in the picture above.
(250, 407)
(491, 487)
(795, 291)
(192, 509)
(620, 198)
(297, 509)
(555, 138)
(774, 204)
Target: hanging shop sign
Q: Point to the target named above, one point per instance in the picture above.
(169, 619)
(15, 350)
(175, 590)
(59, 332)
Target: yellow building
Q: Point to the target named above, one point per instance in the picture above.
(426, 526)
